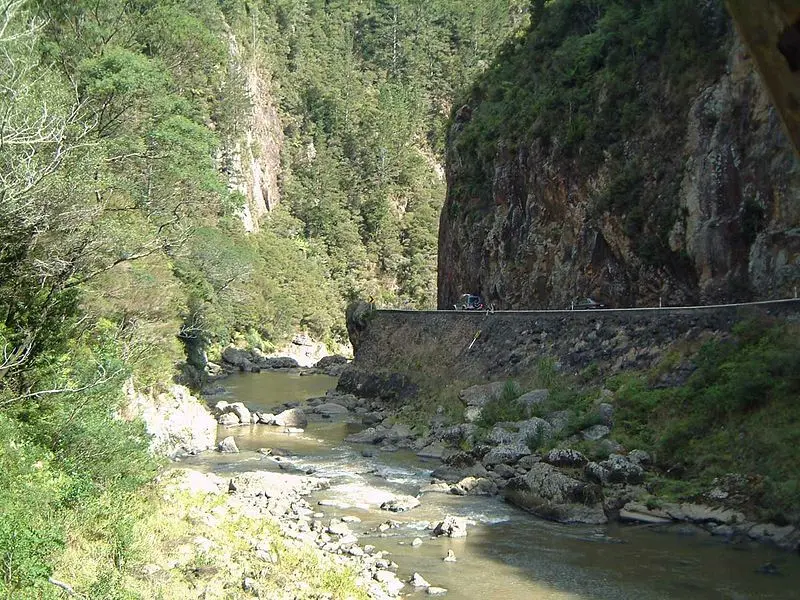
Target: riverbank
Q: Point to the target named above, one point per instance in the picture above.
(694, 425)
(506, 553)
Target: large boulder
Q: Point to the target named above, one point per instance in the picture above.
(240, 410)
(293, 417)
(371, 435)
(506, 454)
(454, 527)
(330, 409)
(280, 362)
(565, 457)
(241, 359)
(622, 470)
(476, 396)
(475, 486)
(400, 504)
(228, 446)
(548, 493)
(530, 401)
(228, 420)
(176, 421)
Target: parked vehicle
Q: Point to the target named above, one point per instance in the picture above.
(586, 304)
(470, 302)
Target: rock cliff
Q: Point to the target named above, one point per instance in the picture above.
(694, 199)
(252, 157)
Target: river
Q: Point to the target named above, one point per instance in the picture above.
(508, 554)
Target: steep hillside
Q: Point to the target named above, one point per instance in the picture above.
(622, 150)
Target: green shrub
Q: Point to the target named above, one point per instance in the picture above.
(503, 407)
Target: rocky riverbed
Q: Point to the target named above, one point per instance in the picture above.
(390, 488)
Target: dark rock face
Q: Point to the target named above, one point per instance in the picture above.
(538, 237)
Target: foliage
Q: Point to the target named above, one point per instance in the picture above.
(502, 407)
(737, 413)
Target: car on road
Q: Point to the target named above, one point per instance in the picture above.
(586, 304)
(470, 302)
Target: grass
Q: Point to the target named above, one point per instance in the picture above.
(195, 541)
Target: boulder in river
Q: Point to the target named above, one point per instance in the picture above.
(548, 493)
(454, 527)
(228, 446)
(330, 409)
(400, 504)
(293, 417)
(240, 410)
(371, 435)
(228, 420)
(241, 359)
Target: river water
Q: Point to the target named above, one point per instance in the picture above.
(508, 554)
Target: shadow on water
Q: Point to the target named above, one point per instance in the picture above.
(508, 554)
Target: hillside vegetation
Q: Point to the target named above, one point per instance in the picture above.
(122, 243)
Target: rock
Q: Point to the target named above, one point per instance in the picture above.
(595, 473)
(559, 420)
(435, 450)
(533, 399)
(242, 359)
(622, 470)
(595, 433)
(417, 542)
(266, 418)
(475, 486)
(436, 591)
(418, 581)
(219, 407)
(398, 432)
(636, 513)
(176, 421)
(293, 417)
(640, 457)
(452, 474)
(504, 471)
(506, 454)
(280, 362)
(338, 527)
(451, 557)
(454, 527)
(465, 432)
(390, 580)
(330, 408)
(371, 435)
(477, 396)
(228, 420)
(330, 361)
(228, 446)
(606, 413)
(240, 410)
(548, 493)
(565, 458)
(534, 429)
(786, 537)
(400, 504)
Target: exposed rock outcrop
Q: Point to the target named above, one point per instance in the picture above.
(716, 166)
(177, 422)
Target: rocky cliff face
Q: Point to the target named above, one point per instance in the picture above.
(710, 213)
(252, 160)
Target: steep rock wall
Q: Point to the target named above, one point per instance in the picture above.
(714, 214)
(252, 158)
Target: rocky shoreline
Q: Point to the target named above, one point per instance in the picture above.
(560, 484)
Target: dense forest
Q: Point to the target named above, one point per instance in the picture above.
(121, 235)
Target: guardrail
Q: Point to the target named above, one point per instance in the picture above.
(784, 302)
